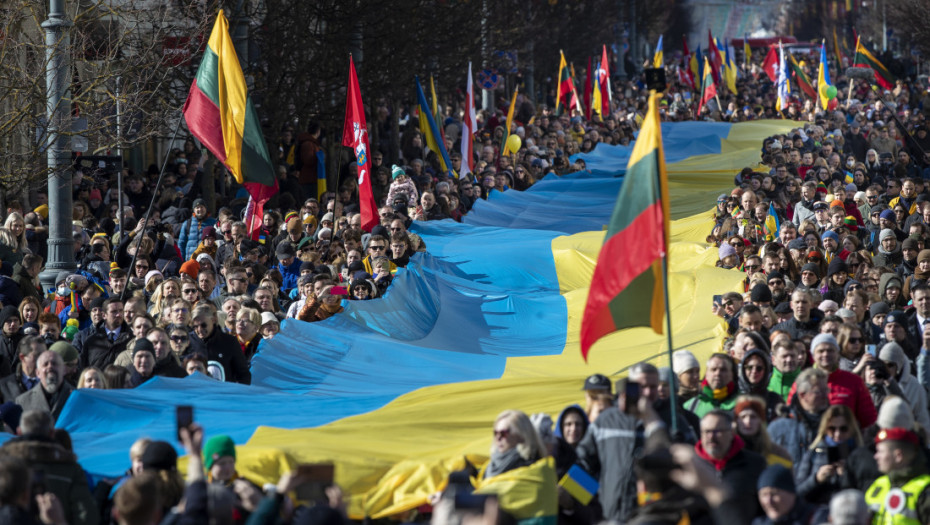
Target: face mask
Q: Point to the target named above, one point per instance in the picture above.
(850, 162)
(62, 291)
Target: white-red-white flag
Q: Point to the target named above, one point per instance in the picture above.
(469, 127)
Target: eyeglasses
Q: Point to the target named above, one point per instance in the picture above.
(179, 338)
(501, 434)
(751, 267)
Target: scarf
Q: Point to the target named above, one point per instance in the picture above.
(719, 464)
(503, 461)
(719, 394)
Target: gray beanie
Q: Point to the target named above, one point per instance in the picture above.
(894, 353)
(824, 338)
(885, 234)
(895, 413)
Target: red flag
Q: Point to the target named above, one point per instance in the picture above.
(587, 91)
(604, 79)
(254, 214)
(687, 63)
(355, 136)
(770, 66)
(715, 62)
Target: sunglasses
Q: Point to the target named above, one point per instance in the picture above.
(856, 339)
(501, 434)
(377, 248)
(189, 290)
(179, 338)
(752, 368)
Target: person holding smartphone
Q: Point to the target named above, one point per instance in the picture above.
(820, 473)
(609, 447)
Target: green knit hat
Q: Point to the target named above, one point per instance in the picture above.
(396, 171)
(217, 447)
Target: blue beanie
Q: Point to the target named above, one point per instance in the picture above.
(776, 476)
(830, 235)
(888, 215)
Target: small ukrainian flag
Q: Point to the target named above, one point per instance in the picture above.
(579, 484)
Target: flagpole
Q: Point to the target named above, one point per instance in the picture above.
(148, 213)
(673, 380)
(852, 81)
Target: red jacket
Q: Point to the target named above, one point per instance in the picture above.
(846, 388)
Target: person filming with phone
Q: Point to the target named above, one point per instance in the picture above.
(619, 435)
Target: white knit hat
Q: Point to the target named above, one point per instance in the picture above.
(895, 413)
(684, 360)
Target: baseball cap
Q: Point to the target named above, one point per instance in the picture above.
(597, 382)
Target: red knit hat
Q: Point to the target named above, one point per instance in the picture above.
(191, 268)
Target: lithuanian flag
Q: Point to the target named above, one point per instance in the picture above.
(565, 88)
(220, 114)
(627, 289)
(804, 82)
(864, 58)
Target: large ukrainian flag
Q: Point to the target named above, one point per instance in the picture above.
(399, 391)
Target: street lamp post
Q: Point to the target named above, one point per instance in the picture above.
(58, 112)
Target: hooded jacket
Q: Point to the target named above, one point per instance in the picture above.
(884, 281)
(914, 392)
(772, 400)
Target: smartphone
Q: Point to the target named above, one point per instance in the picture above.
(316, 477)
(718, 300)
(837, 453)
(632, 393)
(339, 290)
(871, 350)
(184, 415)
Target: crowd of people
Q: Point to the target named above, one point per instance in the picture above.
(814, 408)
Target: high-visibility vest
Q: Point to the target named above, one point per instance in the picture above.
(895, 505)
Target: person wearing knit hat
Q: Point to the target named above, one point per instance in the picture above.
(889, 250)
(898, 365)
(190, 268)
(143, 362)
(900, 495)
(847, 507)
(760, 295)
(781, 501)
(191, 232)
(810, 276)
(153, 274)
(851, 223)
(846, 388)
(69, 355)
(727, 255)
(219, 457)
(688, 371)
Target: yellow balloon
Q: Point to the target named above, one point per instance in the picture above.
(514, 143)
